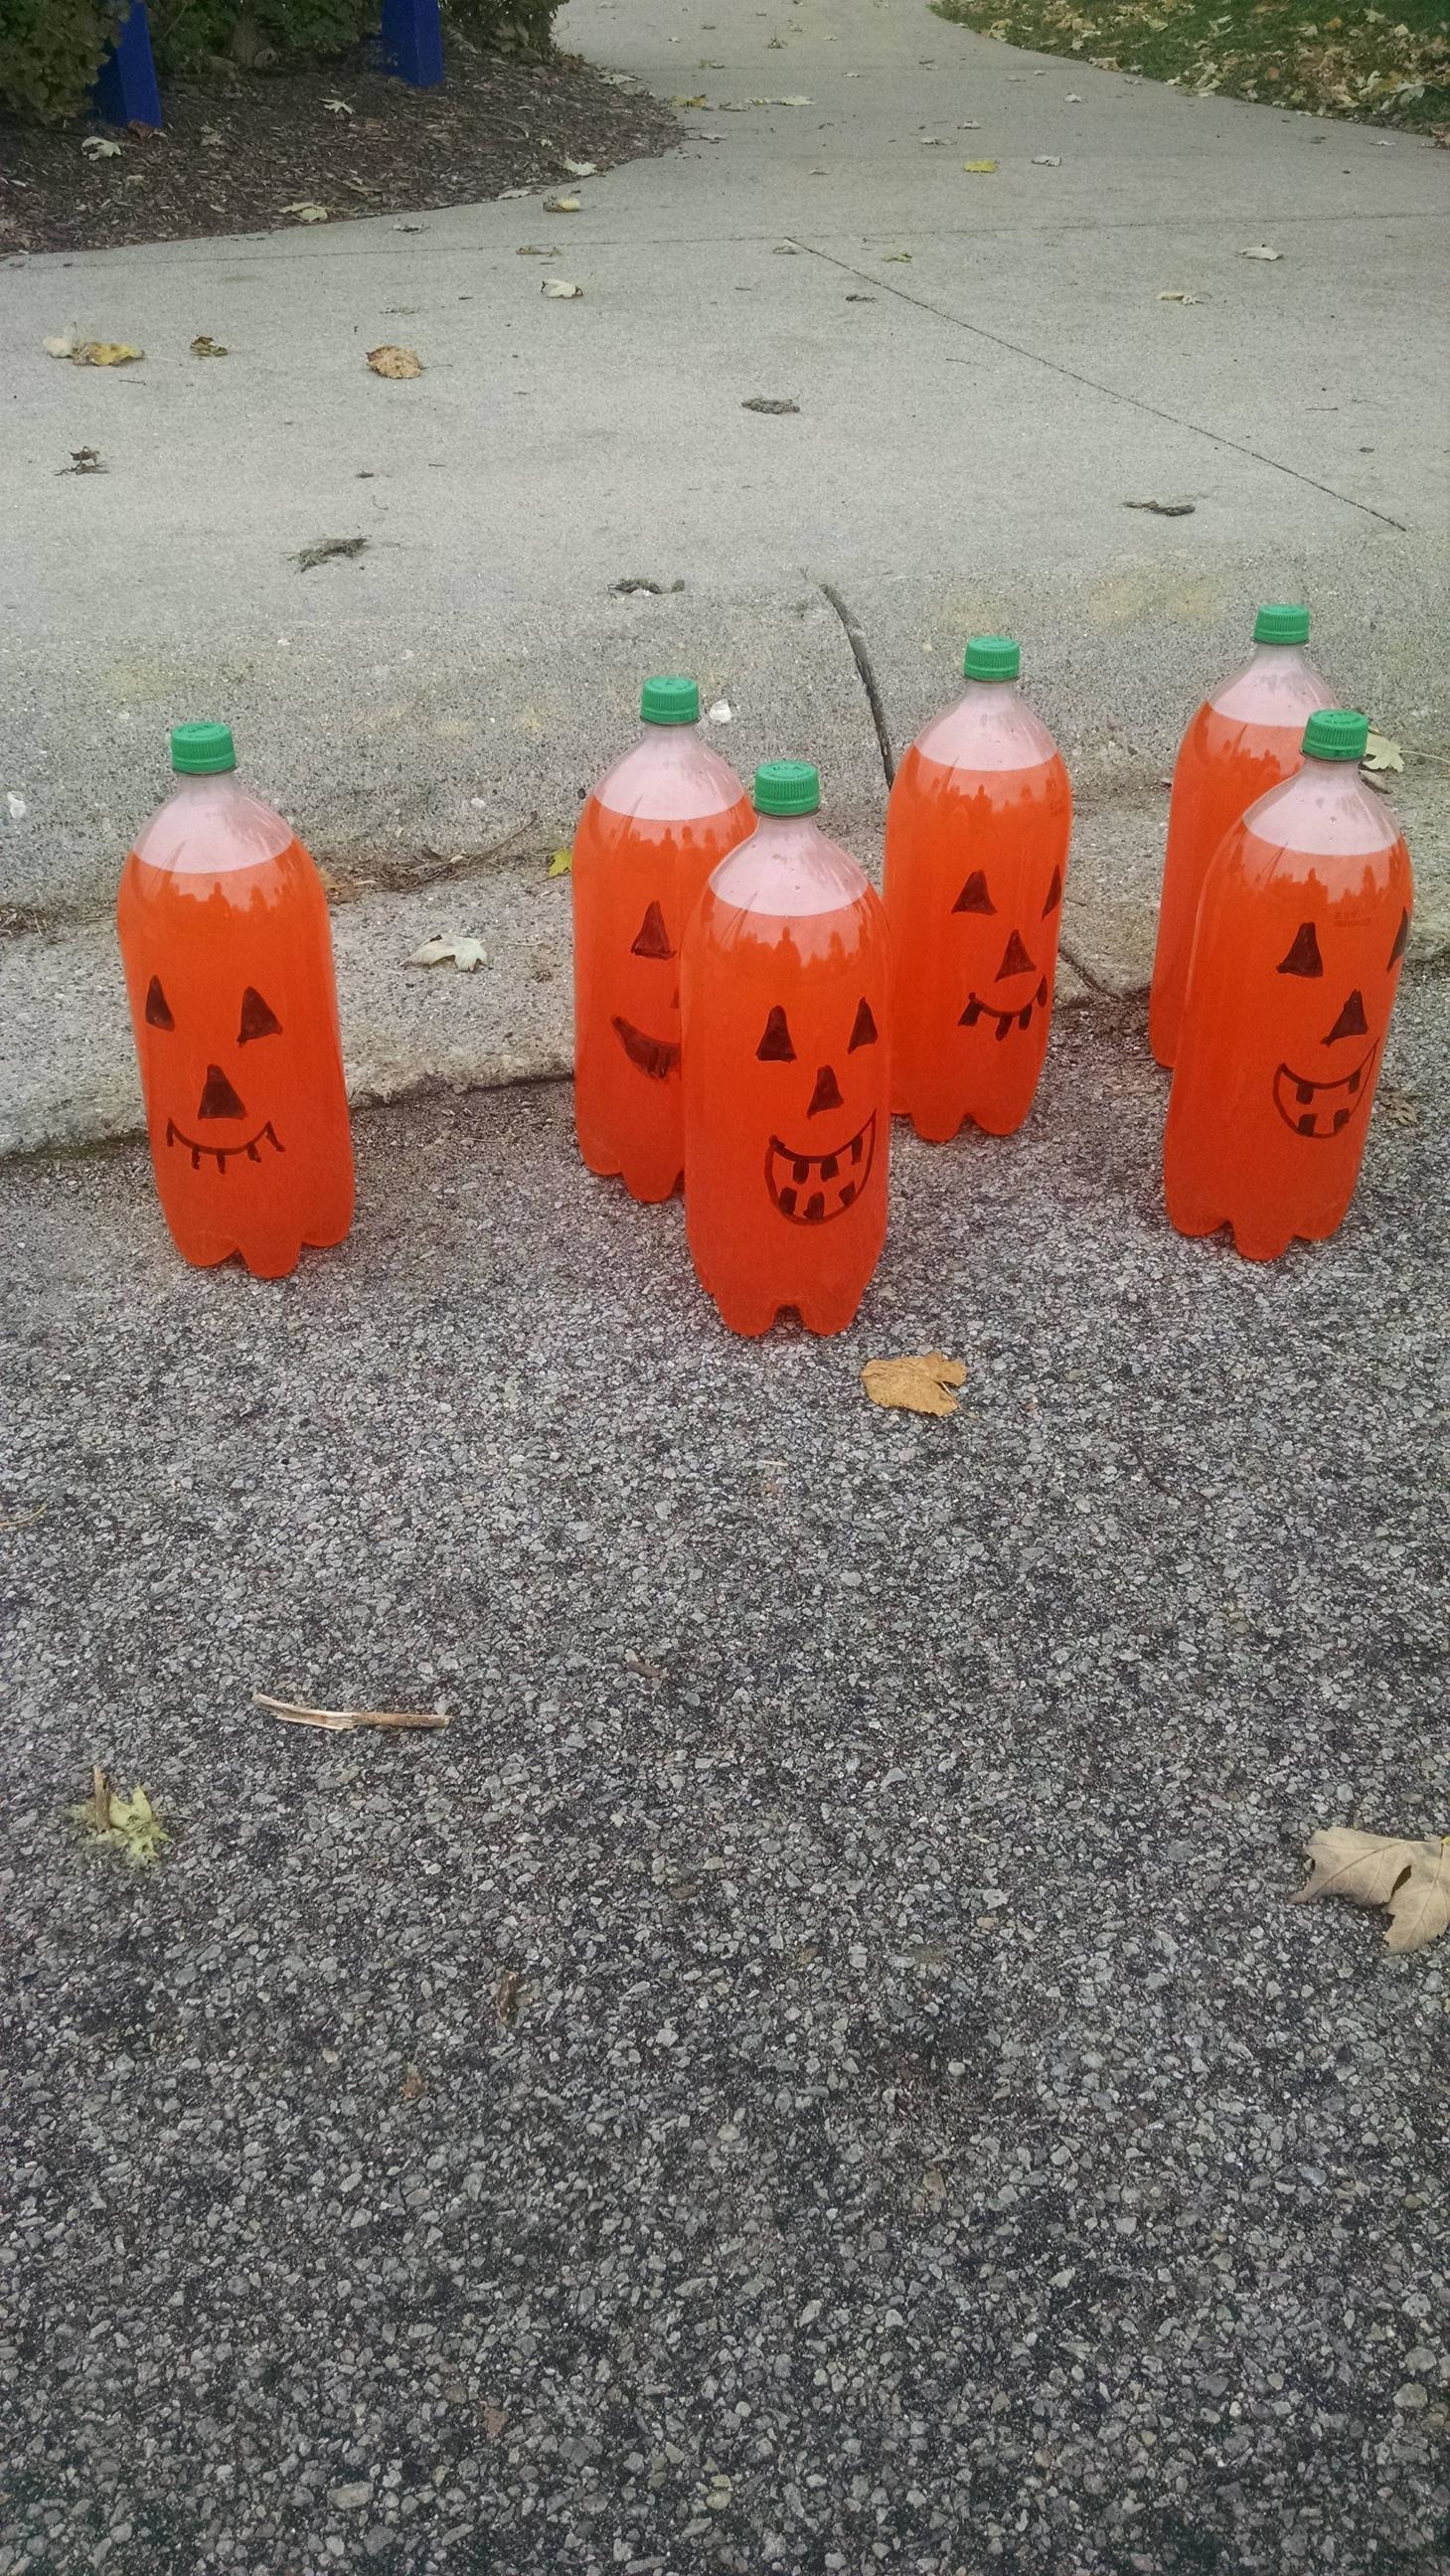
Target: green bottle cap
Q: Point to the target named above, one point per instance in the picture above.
(1282, 625)
(787, 787)
(992, 657)
(1336, 733)
(198, 750)
(670, 702)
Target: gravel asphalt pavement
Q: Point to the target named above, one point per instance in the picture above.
(815, 2069)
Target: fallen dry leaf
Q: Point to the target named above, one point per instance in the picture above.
(697, 99)
(413, 2085)
(397, 364)
(980, 169)
(634, 581)
(495, 2418)
(1381, 753)
(1176, 295)
(306, 210)
(581, 169)
(561, 205)
(341, 1721)
(99, 147)
(83, 460)
(507, 1999)
(890, 256)
(337, 107)
(921, 1382)
(1401, 1108)
(467, 954)
(324, 548)
(560, 289)
(537, 250)
(767, 402)
(129, 1825)
(721, 713)
(1164, 509)
(1411, 1878)
(91, 353)
(1261, 251)
(560, 863)
(1047, 160)
(204, 346)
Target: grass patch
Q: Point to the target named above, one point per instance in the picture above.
(1388, 65)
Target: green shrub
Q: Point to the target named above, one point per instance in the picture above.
(514, 26)
(50, 52)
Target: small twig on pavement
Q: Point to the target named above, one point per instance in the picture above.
(341, 1721)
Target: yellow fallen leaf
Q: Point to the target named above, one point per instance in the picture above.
(980, 169)
(99, 353)
(560, 864)
(697, 99)
(306, 211)
(921, 1382)
(129, 1826)
(1382, 753)
(397, 364)
(1411, 1878)
(341, 1721)
(561, 205)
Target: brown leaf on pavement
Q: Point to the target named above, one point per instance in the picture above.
(396, 364)
(1411, 1878)
(921, 1382)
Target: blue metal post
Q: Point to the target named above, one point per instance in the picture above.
(125, 92)
(413, 41)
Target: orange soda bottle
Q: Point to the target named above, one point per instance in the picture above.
(976, 860)
(1302, 925)
(1239, 745)
(648, 837)
(786, 1074)
(228, 957)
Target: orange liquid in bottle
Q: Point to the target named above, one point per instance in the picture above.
(1296, 961)
(227, 950)
(787, 1080)
(648, 837)
(977, 831)
(1239, 745)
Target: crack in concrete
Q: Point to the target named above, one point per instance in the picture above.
(861, 654)
(1132, 402)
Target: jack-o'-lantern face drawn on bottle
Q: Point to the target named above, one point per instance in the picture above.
(995, 1005)
(812, 1180)
(1302, 929)
(215, 1136)
(1313, 1095)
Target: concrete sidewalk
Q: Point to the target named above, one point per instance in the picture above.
(986, 376)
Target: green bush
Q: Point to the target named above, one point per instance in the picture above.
(51, 50)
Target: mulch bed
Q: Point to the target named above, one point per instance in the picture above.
(240, 148)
